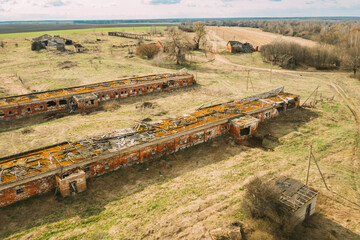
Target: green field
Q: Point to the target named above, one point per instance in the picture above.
(71, 31)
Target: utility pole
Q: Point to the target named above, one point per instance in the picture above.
(308, 170)
(317, 166)
(320, 171)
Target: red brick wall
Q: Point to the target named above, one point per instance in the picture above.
(34, 108)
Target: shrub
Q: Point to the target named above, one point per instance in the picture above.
(147, 50)
(291, 55)
(262, 207)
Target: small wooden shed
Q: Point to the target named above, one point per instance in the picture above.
(239, 47)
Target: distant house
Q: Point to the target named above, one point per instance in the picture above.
(50, 42)
(239, 47)
(297, 198)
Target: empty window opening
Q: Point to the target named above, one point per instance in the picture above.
(92, 101)
(19, 191)
(41, 107)
(147, 88)
(10, 112)
(125, 92)
(122, 92)
(87, 102)
(107, 166)
(29, 109)
(73, 188)
(51, 104)
(150, 87)
(2, 114)
(158, 86)
(87, 169)
(116, 93)
(209, 133)
(139, 89)
(103, 96)
(134, 90)
(245, 131)
(62, 102)
(165, 147)
(153, 151)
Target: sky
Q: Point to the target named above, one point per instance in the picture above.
(25, 10)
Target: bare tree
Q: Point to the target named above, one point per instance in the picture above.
(200, 33)
(177, 45)
(352, 57)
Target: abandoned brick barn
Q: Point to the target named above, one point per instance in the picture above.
(66, 166)
(297, 198)
(80, 98)
(239, 47)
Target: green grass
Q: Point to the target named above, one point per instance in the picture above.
(72, 31)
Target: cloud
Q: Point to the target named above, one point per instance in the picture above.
(2, 10)
(275, 0)
(55, 3)
(163, 2)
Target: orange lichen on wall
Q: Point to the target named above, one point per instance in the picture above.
(85, 88)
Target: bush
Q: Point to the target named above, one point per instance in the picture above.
(147, 50)
(291, 55)
(262, 207)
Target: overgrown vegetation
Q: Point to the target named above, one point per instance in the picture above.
(340, 39)
(324, 31)
(261, 204)
(177, 45)
(291, 55)
(147, 50)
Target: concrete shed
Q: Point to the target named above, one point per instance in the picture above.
(297, 198)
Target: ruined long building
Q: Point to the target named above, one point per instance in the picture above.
(66, 166)
(80, 98)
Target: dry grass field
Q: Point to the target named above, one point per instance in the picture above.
(199, 189)
(255, 36)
